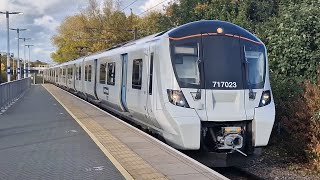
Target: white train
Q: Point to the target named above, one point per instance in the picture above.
(201, 86)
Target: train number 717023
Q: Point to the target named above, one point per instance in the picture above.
(224, 84)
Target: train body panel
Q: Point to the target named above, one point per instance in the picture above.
(203, 85)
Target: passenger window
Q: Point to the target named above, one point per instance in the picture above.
(86, 73)
(69, 73)
(79, 73)
(111, 73)
(63, 73)
(137, 74)
(89, 73)
(151, 74)
(102, 73)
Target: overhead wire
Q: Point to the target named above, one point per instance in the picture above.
(152, 7)
(129, 5)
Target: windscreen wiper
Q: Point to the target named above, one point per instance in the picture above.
(246, 63)
(198, 94)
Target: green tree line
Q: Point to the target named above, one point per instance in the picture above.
(289, 28)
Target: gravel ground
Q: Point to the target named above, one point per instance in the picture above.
(274, 165)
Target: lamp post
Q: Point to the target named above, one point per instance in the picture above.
(18, 65)
(7, 13)
(29, 45)
(24, 57)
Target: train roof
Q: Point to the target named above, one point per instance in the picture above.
(186, 30)
(193, 29)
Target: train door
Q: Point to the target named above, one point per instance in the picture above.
(223, 78)
(77, 80)
(150, 87)
(95, 73)
(82, 76)
(56, 75)
(69, 76)
(65, 81)
(124, 59)
(59, 75)
(74, 74)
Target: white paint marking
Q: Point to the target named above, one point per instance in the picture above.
(99, 168)
(71, 131)
(88, 169)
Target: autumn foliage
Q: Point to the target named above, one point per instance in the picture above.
(299, 116)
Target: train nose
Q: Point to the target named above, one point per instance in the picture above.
(225, 105)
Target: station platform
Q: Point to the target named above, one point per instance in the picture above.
(52, 134)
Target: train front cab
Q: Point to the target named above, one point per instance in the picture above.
(221, 94)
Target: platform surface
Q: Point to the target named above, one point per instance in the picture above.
(40, 140)
(52, 134)
(141, 155)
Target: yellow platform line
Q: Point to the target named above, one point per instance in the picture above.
(120, 168)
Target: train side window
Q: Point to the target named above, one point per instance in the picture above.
(111, 73)
(102, 73)
(72, 72)
(86, 73)
(137, 74)
(151, 74)
(65, 72)
(69, 73)
(89, 73)
(79, 73)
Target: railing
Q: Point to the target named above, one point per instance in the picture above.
(11, 91)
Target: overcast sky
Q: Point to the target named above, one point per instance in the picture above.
(42, 17)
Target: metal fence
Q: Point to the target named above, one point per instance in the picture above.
(11, 91)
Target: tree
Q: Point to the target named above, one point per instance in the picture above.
(92, 30)
(293, 40)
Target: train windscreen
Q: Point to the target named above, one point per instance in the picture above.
(218, 62)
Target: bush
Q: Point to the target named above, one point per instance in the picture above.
(298, 110)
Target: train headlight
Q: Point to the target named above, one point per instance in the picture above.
(265, 98)
(177, 98)
(220, 30)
